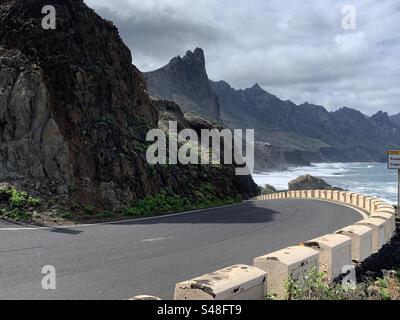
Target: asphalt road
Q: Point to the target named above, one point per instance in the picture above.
(118, 261)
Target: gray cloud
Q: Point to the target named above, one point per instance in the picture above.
(296, 49)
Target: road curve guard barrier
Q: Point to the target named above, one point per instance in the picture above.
(332, 253)
(239, 282)
(290, 263)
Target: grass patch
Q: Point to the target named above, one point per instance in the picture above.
(315, 286)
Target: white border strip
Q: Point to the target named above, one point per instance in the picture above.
(73, 226)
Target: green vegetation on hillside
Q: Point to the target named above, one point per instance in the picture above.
(167, 201)
(16, 204)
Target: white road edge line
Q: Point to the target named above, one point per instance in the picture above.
(119, 221)
(363, 214)
(156, 239)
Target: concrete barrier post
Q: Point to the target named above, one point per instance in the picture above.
(349, 197)
(361, 237)
(393, 213)
(310, 194)
(335, 195)
(361, 201)
(290, 263)
(378, 203)
(334, 253)
(374, 203)
(303, 194)
(368, 204)
(378, 232)
(386, 208)
(329, 194)
(342, 196)
(317, 194)
(390, 225)
(239, 282)
(323, 194)
(355, 200)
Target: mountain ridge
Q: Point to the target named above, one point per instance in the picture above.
(312, 132)
(396, 119)
(185, 81)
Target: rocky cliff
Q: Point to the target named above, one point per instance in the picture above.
(74, 113)
(185, 81)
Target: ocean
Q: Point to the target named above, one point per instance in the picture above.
(370, 178)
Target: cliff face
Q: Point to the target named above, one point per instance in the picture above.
(185, 81)
(74, 111)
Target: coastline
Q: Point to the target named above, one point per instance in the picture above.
(362, 177)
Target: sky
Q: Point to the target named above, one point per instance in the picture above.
(300, 50)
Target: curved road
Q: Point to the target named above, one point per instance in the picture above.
(120, 260)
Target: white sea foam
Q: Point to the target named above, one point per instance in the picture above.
(369, 178)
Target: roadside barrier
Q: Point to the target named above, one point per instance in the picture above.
(240, 282)
(331, 253)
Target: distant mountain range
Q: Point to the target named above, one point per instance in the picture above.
(287, 134)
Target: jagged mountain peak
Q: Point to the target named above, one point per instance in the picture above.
(381, 117)
(256, 86)
(196, 56)
(185, 81)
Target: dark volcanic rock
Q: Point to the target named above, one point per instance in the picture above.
(185, 81)
(308, 182)
(74, 111)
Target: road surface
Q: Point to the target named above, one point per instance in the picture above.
(121, 260)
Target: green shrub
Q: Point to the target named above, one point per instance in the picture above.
(16, 204)
(17, 215)
(166, 201)
(67, 215)
(106, 214)
(34, 202)
(88, 209)
(17, 198)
